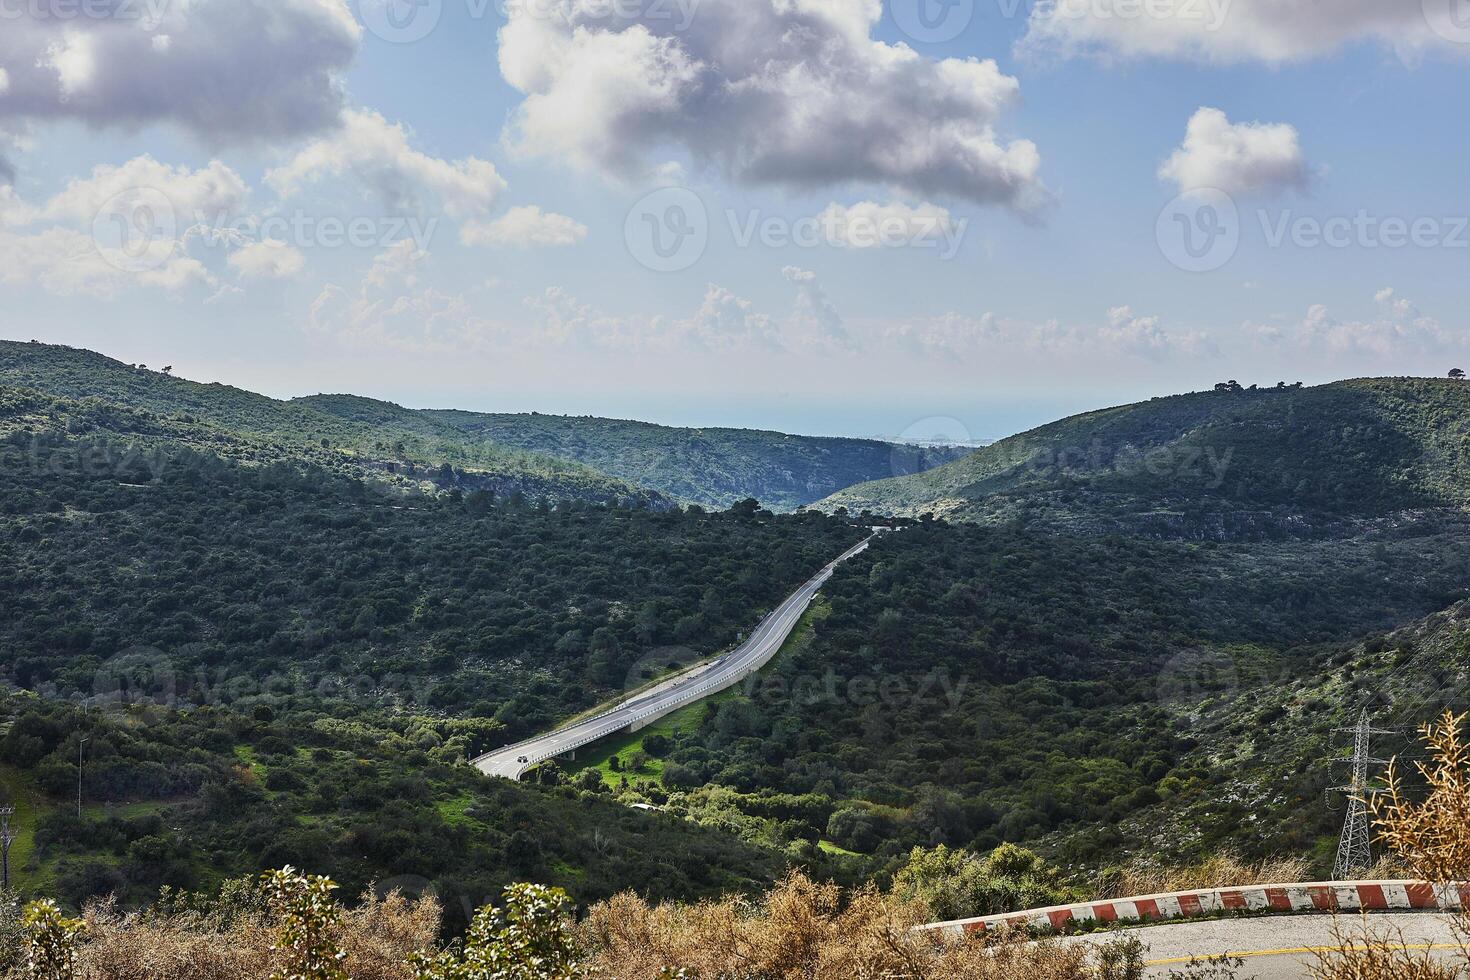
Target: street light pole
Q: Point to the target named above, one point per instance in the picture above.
(81, 743)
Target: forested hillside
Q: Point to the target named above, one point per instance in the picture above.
(48, 389)
(511, 609)
(284, 661)
(707, 466)
(969, 686)
(1230, 463)
(187, 798)
(539, 456)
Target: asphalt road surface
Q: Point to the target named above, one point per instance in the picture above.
(1281, 948)
(688, 687)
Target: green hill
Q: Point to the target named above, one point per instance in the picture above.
(1221, 463)
(712, 467)
(50, 388)
(539, 456)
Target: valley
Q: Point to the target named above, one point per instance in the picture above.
(301, 633)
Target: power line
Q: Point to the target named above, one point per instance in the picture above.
(6, 839)
(1355, 849)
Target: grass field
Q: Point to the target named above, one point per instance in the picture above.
(19, 792)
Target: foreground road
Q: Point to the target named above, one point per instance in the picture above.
(685, 688)
(1281, 948)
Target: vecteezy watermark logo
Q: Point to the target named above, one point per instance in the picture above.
(137, 230)
(658, 664)
(926, 438)
(933, 21)
(1191, 677)
(1199, 231)
(149, 14)
(137, 677)
(1450, 19)
(401, 21)
(668, 230)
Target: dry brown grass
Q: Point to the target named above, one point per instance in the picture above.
(1220, 871)
(1366, 953)
(803, 930)
(1432, 839)
(186, 943)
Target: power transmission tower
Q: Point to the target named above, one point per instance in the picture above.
(1355, 850)
(6, 839)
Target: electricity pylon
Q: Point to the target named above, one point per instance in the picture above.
(6, 839)
(1355, 850)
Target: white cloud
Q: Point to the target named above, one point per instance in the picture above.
(267, 260)
(1146, 336)
(123, 227)
(377, 155)
(815, 322)
(726, 321)
(65, 262)
(962, 337)
(388, 308)
(4, 80)
(229, 69)
(1272, 31)
(525, 227)
(1398, 327)
(196, 195)
(1237, 158)
(784, 92)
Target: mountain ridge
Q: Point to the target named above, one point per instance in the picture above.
(1348, 451)
(541, 456)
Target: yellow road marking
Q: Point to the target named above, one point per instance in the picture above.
(1296, 951)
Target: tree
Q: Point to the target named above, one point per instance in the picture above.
(1457, 374)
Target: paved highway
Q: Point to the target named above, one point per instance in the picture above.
(513, 761)
(1281, 948)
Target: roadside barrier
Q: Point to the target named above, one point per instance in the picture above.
(1313, 897)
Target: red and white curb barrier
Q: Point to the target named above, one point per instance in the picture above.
(1316, 897)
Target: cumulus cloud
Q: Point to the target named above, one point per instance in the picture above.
(390, 308)
(961, 337)
(1237, 158)
(195, 195)
(221, 69)
(525, 227)
(779, 92)
(267, 260)
(1146, 336)
(1272, 31)
(726, 321)
(1397, 327)
(66, 262)
(377, 155)
(815, 322)
(122, 227)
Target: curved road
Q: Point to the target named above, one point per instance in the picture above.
(1282, 948)
(699, 682)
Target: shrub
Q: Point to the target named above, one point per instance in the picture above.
(307, 916)
(530, 940)
(50, 942)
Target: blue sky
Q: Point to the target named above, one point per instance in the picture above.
(984, 228)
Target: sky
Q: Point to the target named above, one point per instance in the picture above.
(847, 217)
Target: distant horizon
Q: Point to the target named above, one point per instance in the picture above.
(963, 429)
